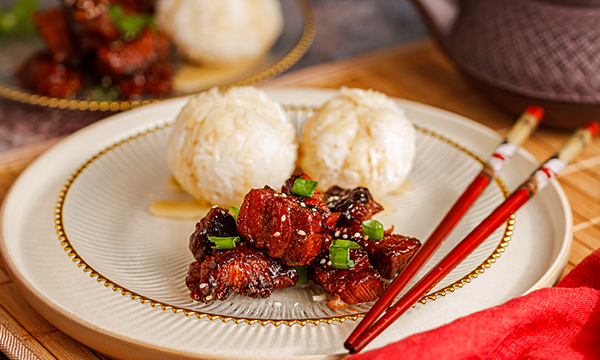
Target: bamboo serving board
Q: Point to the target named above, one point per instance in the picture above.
(417, 72)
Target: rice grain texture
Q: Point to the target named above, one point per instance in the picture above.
(358, 138)
(224, 144)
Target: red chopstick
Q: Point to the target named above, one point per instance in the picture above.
(537, 181)
(520, 132)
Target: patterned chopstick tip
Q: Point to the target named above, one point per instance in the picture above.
(535, 112)
(518, 134)
(581, 138)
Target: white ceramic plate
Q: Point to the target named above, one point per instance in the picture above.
(124, 328)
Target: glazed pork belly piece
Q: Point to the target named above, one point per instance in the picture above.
(243, 270)
(354, 205)
(217, 222)
(291, 228)
(391, 254)
(361, 283)
(91, 23)
(53, 27)
(135, 56)
(316, 199)
(388, 255)
(45, 76)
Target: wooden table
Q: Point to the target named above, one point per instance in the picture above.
(418, 72)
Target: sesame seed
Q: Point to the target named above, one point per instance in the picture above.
(319, 297)
(357, 235)
(277, 233)
(329, 263)
(345, 236)
(323, 261)
(282, 217)
(337, 233)
(283, 195)
(366, 237)
(301, 232)
(208, 298)
(302, 204)
(203, 285)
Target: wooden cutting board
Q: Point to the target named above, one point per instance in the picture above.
(418, 72)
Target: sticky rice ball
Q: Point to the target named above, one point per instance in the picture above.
(224, 144)
(358, 138)
(220, 32)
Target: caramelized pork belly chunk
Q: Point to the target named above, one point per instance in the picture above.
(286, 227)
(217, 222)
(91, 23)
(355, 205)
(315, 200)
(157, 80)
(390, 254)
(362, 283)
(130, 57)
(243, 270)
(53, 27)
(45, 76)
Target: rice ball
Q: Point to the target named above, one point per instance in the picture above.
(358, 138)
(221, 32)
(225, 143)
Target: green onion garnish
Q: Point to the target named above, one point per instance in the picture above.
(18, 18)
(104, 93)
(304, 187)
(302, 274)
(235, 210)
(130, 24)
(346, 243)
(373, 229)
(339, 254)
(222, 243)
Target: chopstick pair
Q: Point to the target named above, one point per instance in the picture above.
(367, 331)
(520, 131)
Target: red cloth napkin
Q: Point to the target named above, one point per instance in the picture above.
(562, 322)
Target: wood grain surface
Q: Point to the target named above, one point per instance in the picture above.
(418, 72)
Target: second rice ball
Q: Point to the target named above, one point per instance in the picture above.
(359, 138)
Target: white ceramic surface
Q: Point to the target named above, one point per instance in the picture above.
(124, 328)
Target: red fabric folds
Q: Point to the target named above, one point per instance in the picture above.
(562, 322)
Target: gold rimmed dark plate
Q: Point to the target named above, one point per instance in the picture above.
(296, 37)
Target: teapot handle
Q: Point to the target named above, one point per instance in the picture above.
(439, 15)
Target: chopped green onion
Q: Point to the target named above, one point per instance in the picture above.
(339, 254)
(235, 210)
(346, 243)
(18, 18)
(130, 24)
(304, 187)
(373, 229)
(104, 93)
(222, 243)
(302, 274)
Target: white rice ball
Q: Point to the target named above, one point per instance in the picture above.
(358, 138)
(224, 144)
(221, 32)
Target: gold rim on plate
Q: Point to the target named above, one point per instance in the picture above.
(87, 268)
(291, 58)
